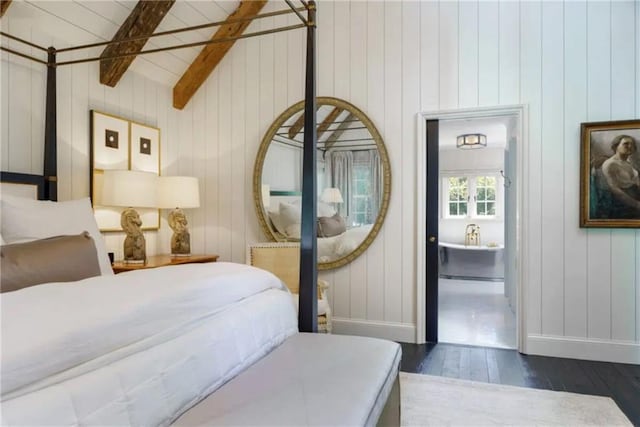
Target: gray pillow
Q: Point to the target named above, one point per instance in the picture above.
(329, 226)
(56, 259)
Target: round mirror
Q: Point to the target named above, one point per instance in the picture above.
(354, 180)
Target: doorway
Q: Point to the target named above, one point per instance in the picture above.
(469, 235)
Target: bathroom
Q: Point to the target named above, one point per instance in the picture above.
(475, 305)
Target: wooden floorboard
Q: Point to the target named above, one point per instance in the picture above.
(465, 363)
(478, 364)
(451, 366)
(621, 382)
(434, 362)
(492, 367)
(511, 372)
(534, 377)
(589, 368)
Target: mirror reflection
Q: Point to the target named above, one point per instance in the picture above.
(353, 180)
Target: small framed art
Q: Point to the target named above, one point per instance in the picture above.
(610, 174)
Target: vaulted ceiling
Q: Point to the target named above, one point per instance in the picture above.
(71, 23)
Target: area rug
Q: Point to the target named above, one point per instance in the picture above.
(438, 401)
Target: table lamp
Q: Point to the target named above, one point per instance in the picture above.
(332, 195)
(130, 189)
(178, 192)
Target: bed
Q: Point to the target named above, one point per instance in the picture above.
(122, 362)
(284, 213)
(181, 343)
(191, 344)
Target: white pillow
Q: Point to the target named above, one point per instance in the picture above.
(274, 216)
(24, 220)
(290, 218)
(293, 231)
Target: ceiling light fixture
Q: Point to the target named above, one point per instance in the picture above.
(471, 141)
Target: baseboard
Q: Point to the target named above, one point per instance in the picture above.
(584, 348)
(403, 332)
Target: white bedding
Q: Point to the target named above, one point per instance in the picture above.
(336, 247)
(137, 348)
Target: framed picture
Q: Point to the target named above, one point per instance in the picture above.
(609, 176)
(110, 141)
(111, 148)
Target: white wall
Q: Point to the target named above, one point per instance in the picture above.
(282, 169)
(393, 60)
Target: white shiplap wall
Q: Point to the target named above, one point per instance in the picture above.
(393, 60)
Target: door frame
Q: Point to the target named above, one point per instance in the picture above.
(520, 112)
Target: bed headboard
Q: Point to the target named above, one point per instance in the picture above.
(22, 184)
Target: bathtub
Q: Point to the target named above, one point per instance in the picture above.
(471, 262)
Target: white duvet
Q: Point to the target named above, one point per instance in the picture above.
(58, 336)
(336, 247)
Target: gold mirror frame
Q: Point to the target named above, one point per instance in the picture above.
(386, 170)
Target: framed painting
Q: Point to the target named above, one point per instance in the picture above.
(111, 148)
(609, 174)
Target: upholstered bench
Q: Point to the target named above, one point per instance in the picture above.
(311, 379)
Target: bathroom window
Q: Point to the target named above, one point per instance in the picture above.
(485, 196)
(470, 196)
(458, 196)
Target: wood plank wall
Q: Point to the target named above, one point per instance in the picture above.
(393, 60)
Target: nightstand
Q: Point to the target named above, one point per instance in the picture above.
(161, 261)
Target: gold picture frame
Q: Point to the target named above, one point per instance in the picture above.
(609, 174)
(111, 147)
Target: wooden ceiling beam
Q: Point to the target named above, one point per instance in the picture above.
(337, 133)
(4, 5)
(142, 21)
(296, 127)
(328, 121)
(212, 54)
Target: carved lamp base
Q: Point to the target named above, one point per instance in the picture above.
(181, 239)
(135, 246)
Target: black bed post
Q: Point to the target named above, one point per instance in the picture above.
(50, 131)
(308, 312)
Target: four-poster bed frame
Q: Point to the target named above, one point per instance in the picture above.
(307, 315)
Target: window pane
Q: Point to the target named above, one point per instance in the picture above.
(482, 194)
(482, 208)
(491, 181)
(453, 209)
(491, 193)
(464, 193)
(491, 208)
(453, 193)
(360, 204)
(482, 181)
(462, 208)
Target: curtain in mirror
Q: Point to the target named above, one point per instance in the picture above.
(358, 175)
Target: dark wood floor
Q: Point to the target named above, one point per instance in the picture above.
(619, 381)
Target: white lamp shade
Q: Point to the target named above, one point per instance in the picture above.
(178, 192)
(331, 195)
(126, 188)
